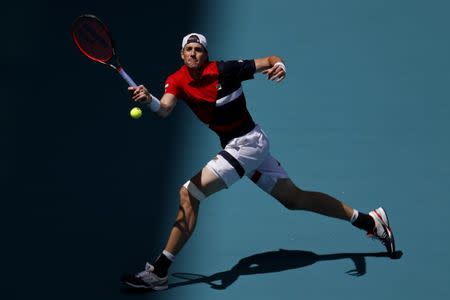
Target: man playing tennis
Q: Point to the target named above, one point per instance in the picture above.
(213, 91)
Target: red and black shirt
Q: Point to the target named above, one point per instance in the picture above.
(217, 97)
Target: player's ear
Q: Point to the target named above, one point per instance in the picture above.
(181, 54)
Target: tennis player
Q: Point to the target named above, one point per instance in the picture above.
(213, 91)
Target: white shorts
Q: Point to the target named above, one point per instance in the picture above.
(248, 155)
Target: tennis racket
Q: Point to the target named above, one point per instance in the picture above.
(94, 40)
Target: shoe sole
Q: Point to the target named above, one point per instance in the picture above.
(382, 215)
(146, 287)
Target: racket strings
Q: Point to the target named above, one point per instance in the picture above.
(93, 38)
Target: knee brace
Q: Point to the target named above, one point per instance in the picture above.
(194, 191)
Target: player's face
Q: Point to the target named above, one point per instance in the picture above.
(194, 56)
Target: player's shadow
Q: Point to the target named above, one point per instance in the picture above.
(276, 261)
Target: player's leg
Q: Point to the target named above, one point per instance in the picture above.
(272, 178)
(288, 194)
(376, 223)
(231, 164)
(240, 156)
(202, 185)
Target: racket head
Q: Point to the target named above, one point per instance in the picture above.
(93, 39)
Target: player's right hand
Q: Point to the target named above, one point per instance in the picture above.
(140, 94)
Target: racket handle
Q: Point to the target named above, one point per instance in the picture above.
(126, 77)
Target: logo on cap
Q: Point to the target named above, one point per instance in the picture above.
(193, 39)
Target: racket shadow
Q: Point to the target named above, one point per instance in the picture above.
(276, 261)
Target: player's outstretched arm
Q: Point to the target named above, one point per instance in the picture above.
(162, 107)
(168, 102)
(272, 66)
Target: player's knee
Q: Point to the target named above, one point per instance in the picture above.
(185, 199)
(291, 197)
(191, 191)
(301, 200)
(287, 194)
(289, 205)
(292, 203)
(184, 195)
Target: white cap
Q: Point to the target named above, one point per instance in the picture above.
(194, 38)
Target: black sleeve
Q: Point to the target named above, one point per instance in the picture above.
(239, 70)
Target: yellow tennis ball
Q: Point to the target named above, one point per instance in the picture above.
(135, 113)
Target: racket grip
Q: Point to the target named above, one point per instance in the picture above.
(126, 77)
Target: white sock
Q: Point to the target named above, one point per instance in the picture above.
(354, 216)
(169, 255)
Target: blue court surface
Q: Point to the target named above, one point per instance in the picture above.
(363, 115)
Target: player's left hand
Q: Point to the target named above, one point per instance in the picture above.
(277, 72)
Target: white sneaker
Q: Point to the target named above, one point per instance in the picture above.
(382, 231)
(146, 280)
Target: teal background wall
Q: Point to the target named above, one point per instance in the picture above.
(363, 116)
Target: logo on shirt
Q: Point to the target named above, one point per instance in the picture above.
(166, 86)
(218, 86)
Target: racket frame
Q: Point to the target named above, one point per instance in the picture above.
(113, 61)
